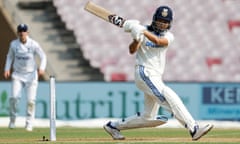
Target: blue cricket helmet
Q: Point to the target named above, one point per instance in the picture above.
(162, 13)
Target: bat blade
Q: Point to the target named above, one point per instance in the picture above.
(104, 14)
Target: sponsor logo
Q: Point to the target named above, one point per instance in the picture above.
(22, 57)
(221, 95)
(116, 20)
(151, 44)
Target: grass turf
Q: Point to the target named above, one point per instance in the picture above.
(66, 135)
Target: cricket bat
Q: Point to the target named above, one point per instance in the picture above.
(104, 14)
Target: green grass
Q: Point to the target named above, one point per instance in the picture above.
(66, 135)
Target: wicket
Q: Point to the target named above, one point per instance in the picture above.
(52, 109)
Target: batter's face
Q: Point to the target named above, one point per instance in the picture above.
(161, 24)
(23, 36)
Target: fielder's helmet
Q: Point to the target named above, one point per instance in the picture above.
(162, 13)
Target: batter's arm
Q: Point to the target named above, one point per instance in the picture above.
(133, 47)
(155, 39)
(138, 30)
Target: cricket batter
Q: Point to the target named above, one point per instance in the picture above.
(150, 44)
(21, 54)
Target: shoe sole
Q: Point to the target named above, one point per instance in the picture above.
(29, 130)
(112, 135)
(195, 139)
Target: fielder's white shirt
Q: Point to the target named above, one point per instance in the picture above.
(23, 58)
(152, 56)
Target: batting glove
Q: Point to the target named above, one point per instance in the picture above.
(137, 32)
(128, 25)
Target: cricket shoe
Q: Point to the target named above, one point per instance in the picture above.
(29, 127)
(114, 132)
(199, 132)
(11, 125)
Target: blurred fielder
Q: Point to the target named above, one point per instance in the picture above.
(150, 44)
(21, 54)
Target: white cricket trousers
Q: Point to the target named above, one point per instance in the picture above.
(29, 88)
(157, 94)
